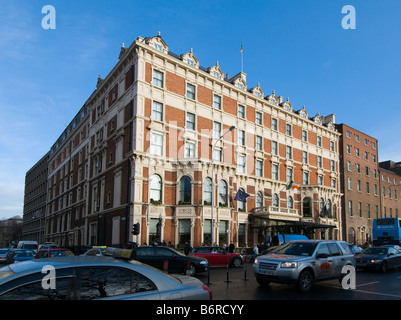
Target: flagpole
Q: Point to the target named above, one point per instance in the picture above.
(242, 59)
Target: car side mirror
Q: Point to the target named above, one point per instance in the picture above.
(390, 254)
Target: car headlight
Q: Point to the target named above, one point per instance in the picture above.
(288, 264)
(204, 262)
(255, 261)
(375, 261)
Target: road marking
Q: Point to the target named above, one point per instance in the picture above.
(366, 284)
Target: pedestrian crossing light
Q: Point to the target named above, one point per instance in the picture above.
(136, 229)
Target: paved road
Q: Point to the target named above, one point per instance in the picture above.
(369, 286)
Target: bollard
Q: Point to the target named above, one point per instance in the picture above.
(228, 276)
(245, 265)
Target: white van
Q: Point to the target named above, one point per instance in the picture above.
(33, 245)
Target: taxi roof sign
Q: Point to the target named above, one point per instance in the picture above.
(118, 253)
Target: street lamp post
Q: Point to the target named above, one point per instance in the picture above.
(212, 222)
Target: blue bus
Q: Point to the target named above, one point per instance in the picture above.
(386, 231)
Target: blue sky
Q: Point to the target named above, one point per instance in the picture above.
(296, 47)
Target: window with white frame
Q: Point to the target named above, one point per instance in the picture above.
(259, 168)
(289, 152)
(305, 177)
(158, 78)
(189, 149)
(216, 130)
(241, 162)
(304, 157)
(275, 171)
(289, 175)
(190, 121)
(190, 91)
(274, 124)
(217, 154)
(157, 111)
(259, 144)
(155, 194)
(274, 148)
(258, 117)
(304, 135)
(156, 144)
(241, 137)
(288, 129)
(216, 101)
(241, 111)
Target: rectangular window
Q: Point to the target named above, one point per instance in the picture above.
(274, 124)
(288, 130)
(156, 144)
(274, 148)
(158, 78)
(258, 117)
(190, 121)
(217, 154)
(216, 102)
(305, 135)
(350, 208)
(289, 152)
(189, 150)
(190, 91)
(157, 111)
(305, 177)
(275, 171)
(259, 143)
(241, 137)
(241, 164)
(216, 130)
(319, 161)
(241, 111)
(259, 168)
(319, 141)
(304, 157)
(289, 175)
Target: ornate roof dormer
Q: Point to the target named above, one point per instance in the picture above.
(274, 99)
(190, 59)
(287, 105)
(216, 71)
(239, 80)
(257, 91)
(317, 119)
(303, 113)
(157, 42)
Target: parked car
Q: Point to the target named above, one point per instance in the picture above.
(48, 245)
(96, 251)
(218, 256)
(87, 278)
(303, 262)
(3, 254)
(53, 252)
(355, 249)
(379, 258)
(33, 245)
(18, 255)
(177, 262)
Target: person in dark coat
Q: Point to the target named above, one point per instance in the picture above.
(187, 248)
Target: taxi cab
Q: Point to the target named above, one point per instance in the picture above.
(304, 262)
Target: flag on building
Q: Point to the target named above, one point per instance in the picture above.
(241, 47)
(292, 185)
(241, 195)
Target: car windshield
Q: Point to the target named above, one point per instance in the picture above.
(297, 249)
(4, 251)
(24, 253)
(375, 251)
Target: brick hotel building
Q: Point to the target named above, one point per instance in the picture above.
(140, 150)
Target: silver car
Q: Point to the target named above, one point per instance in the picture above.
(88, 278)
(303, 262)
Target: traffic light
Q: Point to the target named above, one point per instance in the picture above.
(136, 228)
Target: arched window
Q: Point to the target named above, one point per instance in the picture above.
(275, 200)
(223, 198)
(328, 208)
(259, 199)
(240, 204)
(290, 203)
(321, 207)
(307, 207)
(155, 189)
(207, 191)
(185, 190)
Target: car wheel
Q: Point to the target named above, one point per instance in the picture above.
(190, 271)
(305, 281)
(384, 267)
(236, 263)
